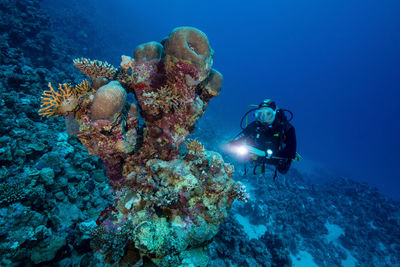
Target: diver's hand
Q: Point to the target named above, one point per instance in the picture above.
(256, 151)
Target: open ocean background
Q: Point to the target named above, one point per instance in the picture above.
(334, 64)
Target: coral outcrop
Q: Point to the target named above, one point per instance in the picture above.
(168, 203)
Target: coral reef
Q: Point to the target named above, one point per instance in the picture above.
(49, 184)
(10, 193)
(167, 206)
(336, 223)
(232, 247)
(29, 38)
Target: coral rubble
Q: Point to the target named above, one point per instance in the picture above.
(167, 205)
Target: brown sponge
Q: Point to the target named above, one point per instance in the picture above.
(108, 100)
(149, 51)
(213, 83)
(189, 44)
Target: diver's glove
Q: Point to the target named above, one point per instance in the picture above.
(256, 151)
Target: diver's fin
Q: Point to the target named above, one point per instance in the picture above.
(298, 157)
(259, 169)
(275, 174)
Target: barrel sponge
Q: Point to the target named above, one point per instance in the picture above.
(149, 51)
(108, 100)
(190, 44)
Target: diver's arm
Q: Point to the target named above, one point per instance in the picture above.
(244, 135)
(250, 129)
(256, 151)
(240, 138)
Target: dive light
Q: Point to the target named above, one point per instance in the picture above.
(269, 153)
(241, 150)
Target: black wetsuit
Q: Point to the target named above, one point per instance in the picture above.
(280, 137)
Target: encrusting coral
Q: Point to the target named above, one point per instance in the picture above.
(167, 205)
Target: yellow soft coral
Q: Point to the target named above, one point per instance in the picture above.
(194, 146)
(60, 102)
(83, 87)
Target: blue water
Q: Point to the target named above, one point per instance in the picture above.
(335, 64)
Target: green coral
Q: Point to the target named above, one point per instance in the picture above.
(170, 211)
(153, 237)
(113, 242)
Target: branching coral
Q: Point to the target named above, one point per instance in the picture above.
(60, 102)
(95, 68)
(168, 98)
(165, 98)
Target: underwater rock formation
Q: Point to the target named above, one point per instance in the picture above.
(168, 205)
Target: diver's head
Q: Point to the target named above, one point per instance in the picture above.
(266, 112)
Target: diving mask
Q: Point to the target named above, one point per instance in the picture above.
(265, 115)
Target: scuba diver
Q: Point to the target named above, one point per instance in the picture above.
(270, 139)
